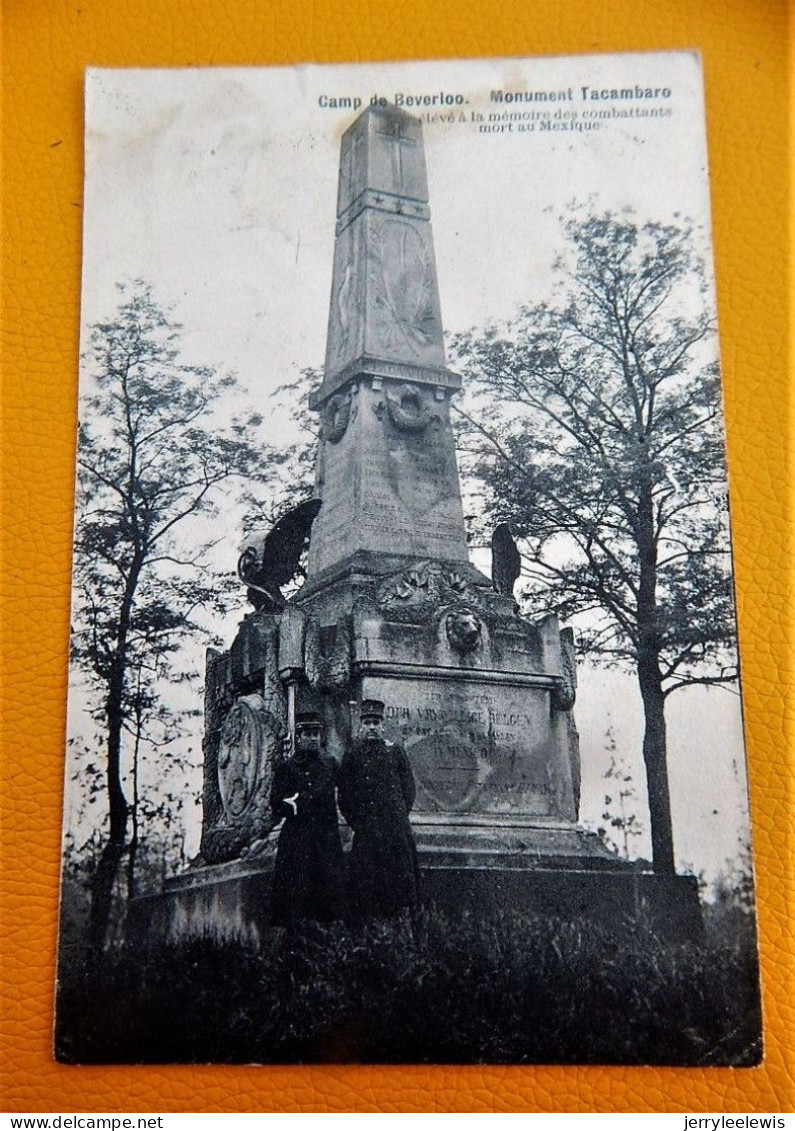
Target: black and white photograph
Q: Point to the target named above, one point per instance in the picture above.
(404, 718)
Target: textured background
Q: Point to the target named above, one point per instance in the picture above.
(47, 44)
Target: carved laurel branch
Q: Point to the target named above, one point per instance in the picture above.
(403, 297)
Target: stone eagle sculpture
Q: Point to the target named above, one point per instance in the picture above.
(268, 564)
(506, 562)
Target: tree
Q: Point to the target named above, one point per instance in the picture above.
(297, 473)
(152, 459)
(599, 439)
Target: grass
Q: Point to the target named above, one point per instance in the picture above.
(510, 988)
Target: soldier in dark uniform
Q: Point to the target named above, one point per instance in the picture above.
(308, 877)
(376, 793)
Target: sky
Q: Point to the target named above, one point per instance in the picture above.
(218, 186)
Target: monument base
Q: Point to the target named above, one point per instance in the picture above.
(667, 905)
(481, 870)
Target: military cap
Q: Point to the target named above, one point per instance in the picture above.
(308, 719)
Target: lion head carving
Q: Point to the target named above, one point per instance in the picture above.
(463, 630)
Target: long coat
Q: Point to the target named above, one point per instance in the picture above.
(309, 876)
(376, 793)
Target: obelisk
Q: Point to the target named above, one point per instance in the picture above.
(387, 473)
(394, 610)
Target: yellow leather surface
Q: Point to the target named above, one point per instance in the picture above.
(47, 44)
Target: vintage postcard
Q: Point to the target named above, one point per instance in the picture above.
(404, 713)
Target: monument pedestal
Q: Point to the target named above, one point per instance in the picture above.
(233, 900)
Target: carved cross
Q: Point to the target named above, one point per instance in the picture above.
(396, 139)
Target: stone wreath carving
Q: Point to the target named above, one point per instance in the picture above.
(408, 409)
(464, 630)
(415, 594)
(336, 416)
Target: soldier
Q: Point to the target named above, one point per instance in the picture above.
(376, 793)
(308, 877)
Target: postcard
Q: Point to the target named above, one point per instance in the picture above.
(404, 708)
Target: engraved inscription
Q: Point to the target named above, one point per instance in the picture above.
(480, 750)
(419, 469)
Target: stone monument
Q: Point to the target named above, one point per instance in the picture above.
(392, 609)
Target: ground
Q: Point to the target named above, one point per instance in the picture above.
(450, 988)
